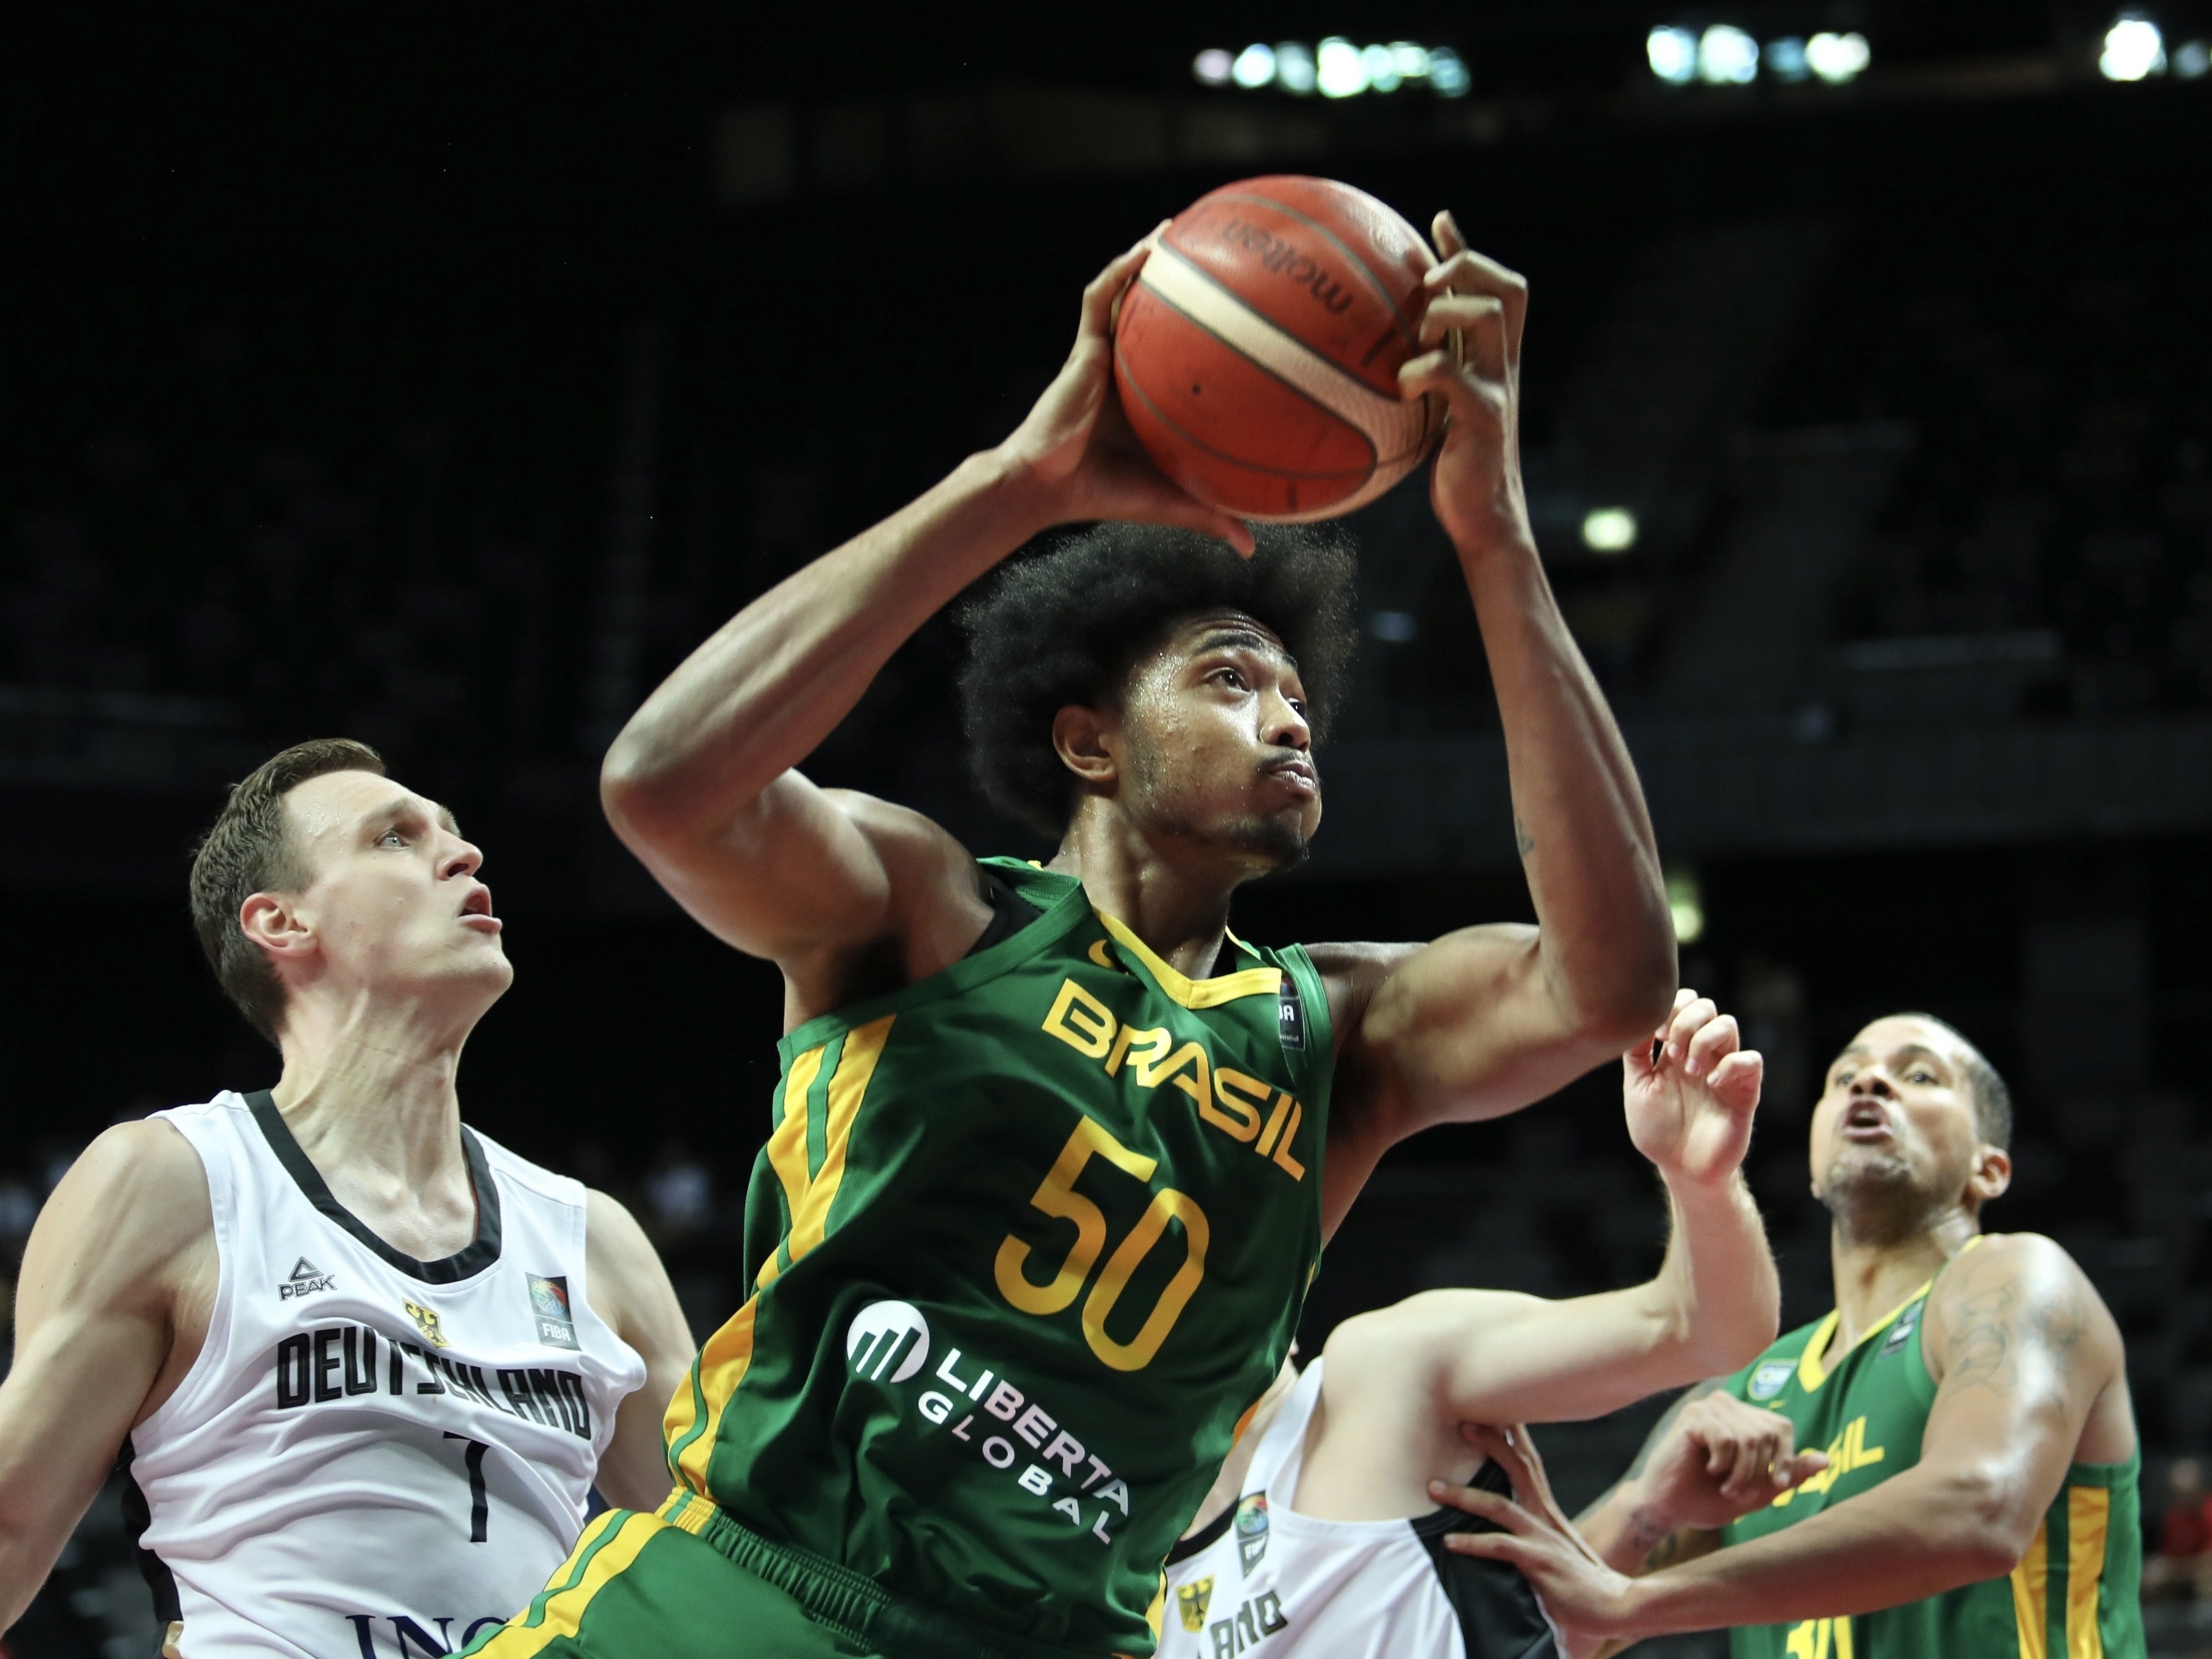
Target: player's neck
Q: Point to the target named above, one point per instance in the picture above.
(1174, 897)
(371, 1099)
(1873, 1277)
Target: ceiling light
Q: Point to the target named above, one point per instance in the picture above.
(1339, 71)
(1785, 59)
(1608, 529)
(1448, 73)
(1674, 55)
(1412, 61)
(2133, 49)
(1727, 56)
(1836, 58)
(1686, 903)
(2191, 59)
(1212, 67)
(1254, 66)
(1381, 66)
(1294, 67)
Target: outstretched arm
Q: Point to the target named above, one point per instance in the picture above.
(700, 784)
(629, 1290)
(2026, 1350)
(1487, 1019)
(1499, 1357)
(120, 1264)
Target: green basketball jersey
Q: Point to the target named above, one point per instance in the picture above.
(2074, 1593)
(1028, 1241)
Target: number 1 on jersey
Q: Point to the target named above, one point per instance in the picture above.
(479, 1504)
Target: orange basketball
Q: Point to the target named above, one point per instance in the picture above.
(1257, 353)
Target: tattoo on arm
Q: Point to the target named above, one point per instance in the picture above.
(1523, 842)
(1991, 1328)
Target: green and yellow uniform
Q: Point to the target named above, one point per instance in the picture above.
(1028, 1239)
(2073, 1595)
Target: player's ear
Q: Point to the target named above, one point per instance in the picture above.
(1991, 1174)
(1085, 740)
(272, 922)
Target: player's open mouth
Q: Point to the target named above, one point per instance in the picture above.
(1866, 1120)
(475, 911)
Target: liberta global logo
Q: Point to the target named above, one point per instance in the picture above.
(887, 1341)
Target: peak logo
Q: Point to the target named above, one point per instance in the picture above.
(306, 1280)
(887, 1341)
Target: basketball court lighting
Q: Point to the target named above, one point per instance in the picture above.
(1410, 59)
(1381, 66)
(1448, 73)
(1785, 59)
(1394, 627)
(1212, 67)
(1727, 57)
(2133, 49)
(1674, 55)
(1294, 67)
(1339, 71)
(1836, 58)
(1686, 903)
(1254, 66)
(2191, 59)
(1608, 529)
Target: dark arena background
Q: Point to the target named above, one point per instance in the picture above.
(376, 374)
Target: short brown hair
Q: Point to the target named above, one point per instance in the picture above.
(249, 849)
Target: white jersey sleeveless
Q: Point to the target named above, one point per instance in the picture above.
(1266, 1579)
(372, 1457)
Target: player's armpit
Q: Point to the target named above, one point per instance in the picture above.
(628, 1289)
(118, 1283)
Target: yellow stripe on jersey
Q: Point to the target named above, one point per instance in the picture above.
(1197, 993)
(2088, 1516)
(864, 1047)
(694, 1416)
(720, 1366)
(600, 1554)
(2031, 1592)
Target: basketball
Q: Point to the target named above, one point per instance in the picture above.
(1257, 354)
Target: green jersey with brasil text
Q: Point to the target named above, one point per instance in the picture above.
(1028, 1240)
(2075, 1592)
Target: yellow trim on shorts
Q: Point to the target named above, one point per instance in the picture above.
(1196, 993)
(559, 1613)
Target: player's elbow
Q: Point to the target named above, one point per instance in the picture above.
(1625, 999)
(642, 791)
(1986, 1519)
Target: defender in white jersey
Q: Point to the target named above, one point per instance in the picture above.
(364, 1366)
(1323, 1538)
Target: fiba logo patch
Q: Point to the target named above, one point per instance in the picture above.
(1770, 1378)
(887, 1341)
(1251, 1530)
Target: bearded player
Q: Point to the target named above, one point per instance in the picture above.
(364, 1366)
(1975, 1494)
(1319, 1539)
(1053, 1152)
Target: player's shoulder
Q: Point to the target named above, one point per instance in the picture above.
(897, 831)
(512, 1169)
(2003, 1277)
(141, 1186)
(2027, 1259)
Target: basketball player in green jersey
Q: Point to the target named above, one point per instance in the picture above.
(1969, 1486)
(1054, 1153)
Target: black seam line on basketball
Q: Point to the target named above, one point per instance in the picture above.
(1406, 332)
(1228, 293)
(1375, 454)
(1232, 294)
(480, 1252)
(1197, 443)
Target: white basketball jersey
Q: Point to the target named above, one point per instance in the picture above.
(372, 1457)
(1264, 1578)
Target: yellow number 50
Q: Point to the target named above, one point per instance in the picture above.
(1057, 1197)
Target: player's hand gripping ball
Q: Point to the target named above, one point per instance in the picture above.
(1257, 354)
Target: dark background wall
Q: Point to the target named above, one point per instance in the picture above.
(442, 386)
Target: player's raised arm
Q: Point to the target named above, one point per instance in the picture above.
(1487, 1019)
(2024, 1352)
(1500, 1357)
(700, 784)
(117, 1280)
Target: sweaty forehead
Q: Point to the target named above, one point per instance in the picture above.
(1207, 630)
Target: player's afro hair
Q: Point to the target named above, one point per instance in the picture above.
(1066, 624)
